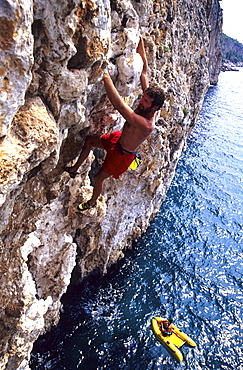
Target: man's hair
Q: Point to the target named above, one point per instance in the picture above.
(157, 94)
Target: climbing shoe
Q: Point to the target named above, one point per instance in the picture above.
(83, 206)
(71, 174)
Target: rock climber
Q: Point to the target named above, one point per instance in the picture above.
(121, 145)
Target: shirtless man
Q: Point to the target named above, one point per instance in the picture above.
(120, 146)
(165, 327)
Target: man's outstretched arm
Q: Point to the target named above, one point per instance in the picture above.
(144, 74)
(119, 104)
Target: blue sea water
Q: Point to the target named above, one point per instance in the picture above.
(188, 265)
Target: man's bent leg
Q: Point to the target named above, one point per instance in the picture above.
(98, 185)
(91, 141)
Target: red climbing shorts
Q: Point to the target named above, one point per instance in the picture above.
(116, 161)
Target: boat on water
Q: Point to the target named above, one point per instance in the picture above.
(172, 342)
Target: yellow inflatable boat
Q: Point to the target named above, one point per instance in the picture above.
(173, 342)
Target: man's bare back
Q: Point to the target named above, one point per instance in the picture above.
(139, 123)
(133, 136)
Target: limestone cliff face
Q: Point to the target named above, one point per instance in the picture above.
(215, 50)
(53, 56)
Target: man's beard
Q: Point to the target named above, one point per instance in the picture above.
(142, 111)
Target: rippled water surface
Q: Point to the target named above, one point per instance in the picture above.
(188, 266)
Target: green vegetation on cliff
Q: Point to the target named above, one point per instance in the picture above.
(232, 49)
